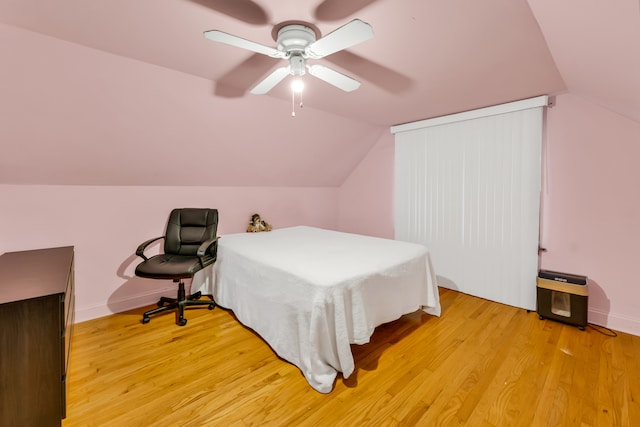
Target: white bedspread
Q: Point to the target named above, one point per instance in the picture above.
(310, 292)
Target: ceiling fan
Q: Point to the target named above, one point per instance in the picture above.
(297, 43)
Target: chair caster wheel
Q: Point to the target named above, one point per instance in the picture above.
(211, 306)
(159, 303)
(540, 317)
(146, 320)
(581, 328)
(182, 322)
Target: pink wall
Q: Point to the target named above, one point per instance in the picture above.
(591, 205)
(366, 197)
(91, 114)
(589, 224)
(591, 218)
(106, 224)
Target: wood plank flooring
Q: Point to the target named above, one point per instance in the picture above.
(480, 364)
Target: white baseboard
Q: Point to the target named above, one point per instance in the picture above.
(608, 320)
(615, 322)
(118, 306)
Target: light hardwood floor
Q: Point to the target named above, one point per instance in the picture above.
(480, 364)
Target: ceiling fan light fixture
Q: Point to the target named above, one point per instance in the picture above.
(297, 85)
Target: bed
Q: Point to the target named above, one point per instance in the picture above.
(310, 293)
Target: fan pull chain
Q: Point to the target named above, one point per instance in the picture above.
(293, 102)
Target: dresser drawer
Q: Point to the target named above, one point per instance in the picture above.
(68, 316)
(68, 297)
(67, 334)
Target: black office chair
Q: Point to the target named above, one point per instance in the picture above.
(190, 244)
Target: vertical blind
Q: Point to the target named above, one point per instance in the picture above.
(468, 187)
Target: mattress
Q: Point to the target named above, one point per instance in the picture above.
(310, 293)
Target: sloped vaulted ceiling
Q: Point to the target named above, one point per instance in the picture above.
(596, 47)
(118, 92)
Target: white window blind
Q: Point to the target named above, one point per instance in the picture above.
(467, 186)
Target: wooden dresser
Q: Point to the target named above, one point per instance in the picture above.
(36, 322)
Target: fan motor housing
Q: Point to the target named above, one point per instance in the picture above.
(295, 38)
(297, 65)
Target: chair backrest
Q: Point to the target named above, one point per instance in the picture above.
(187, 228)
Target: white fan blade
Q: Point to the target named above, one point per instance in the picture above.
(333, 77)
(231, 40)
(270, 81)
(344, 37)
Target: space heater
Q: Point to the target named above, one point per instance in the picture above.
(563, 297)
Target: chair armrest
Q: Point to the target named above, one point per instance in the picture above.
(143, 246)
(204, 247)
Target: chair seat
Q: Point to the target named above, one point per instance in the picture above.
(167, 266)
